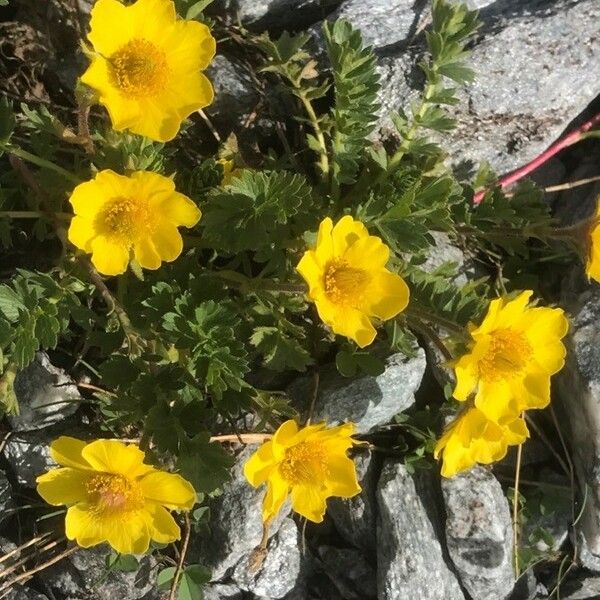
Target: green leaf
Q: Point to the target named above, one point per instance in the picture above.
(255, 210)
(10, 303)
(345, 363)
(195, 9)
(356, 84)
(7, 119)
(280, 351)
(204, 464)
(126, 563)
(193, 579)
(165, 577)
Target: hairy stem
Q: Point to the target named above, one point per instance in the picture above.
(314, 120)
(570, 139)
(40, 162)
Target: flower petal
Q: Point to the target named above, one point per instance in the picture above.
(83, 526)
(277, 493)
(63, 486)
(111, 26)
(258, 467)
(81, 233)
(108, 256)
(145, 253)
(168, 241)
(466, 377)
(190, 46)
(164, 529)
(67, 451)
(347, 232)
(113, 456)
(341, 479)
(312, 272)
(168, 489)
(309, 501)
(368, 253)
(324, 248)
(179, 210)
(129, 535)
(388, 295)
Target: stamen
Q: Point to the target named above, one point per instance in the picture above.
(344, 284)
(125, 218)
(507, 356)
(113, 493)
(139, 68)
(304, 463)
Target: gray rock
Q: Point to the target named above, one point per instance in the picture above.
(536, 68)
(367, 401)
(281, 568)
(349, 570)
(278, 14)
(578, 398)
(82, 575)
(25, 593)
(581, 587)
(411, 557)
(235, 95)
(222, 591)
(28, 455)
(45, 394)
(355, 518)
(6, 501)
(235, 524)
(479, 533)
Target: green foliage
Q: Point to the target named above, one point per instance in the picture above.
(35, 309)
(256, 211)
(190, 583)
(356, 84)
(7, 121)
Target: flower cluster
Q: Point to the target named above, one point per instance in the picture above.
(512, 355)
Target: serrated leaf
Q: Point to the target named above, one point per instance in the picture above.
(204, 464)
(279, 350)
(10, 303)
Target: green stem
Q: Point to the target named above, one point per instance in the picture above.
(32, 214)
(265, 285)
(312, 115)
(40, 162)
(423, 314)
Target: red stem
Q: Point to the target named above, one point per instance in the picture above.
(555, 148)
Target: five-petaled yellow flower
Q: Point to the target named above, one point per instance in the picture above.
(472, 439)
(513, 354)
(112, 496)
(348, 280)
(116, 216)
(146, 66)
(309, 463)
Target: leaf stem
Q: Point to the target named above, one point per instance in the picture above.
(182, 555)
(422, 314)
(32, 214)
(578, 135)
(40, 162)
(314, 120)
(515, 515)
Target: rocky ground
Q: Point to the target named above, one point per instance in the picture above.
(408, 535)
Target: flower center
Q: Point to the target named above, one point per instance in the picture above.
(344, 284)
(507, 356)
(126, 218)
(114, 493)
(139, 68)
(304, 463)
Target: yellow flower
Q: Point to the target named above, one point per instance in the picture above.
(146, 66)
(112, 496)
(472, 439)
(592, 231)
(229, 170)
(512, 355)
(348, 280)
(308, 463)
(116, 216)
